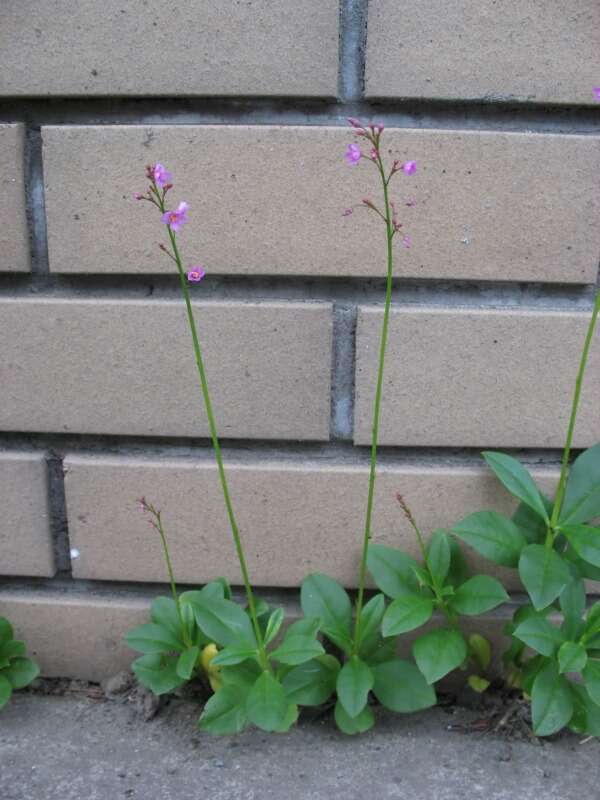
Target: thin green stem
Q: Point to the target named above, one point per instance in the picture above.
(564, 470)
(376, 415)
(217, 448)
(159, 527)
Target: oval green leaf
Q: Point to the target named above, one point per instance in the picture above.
(400, 687)
(544, 574)
(477, 595)
(354, 682)
(439, 652)
(406, 613)
(493, 535)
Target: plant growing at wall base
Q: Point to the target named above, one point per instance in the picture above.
(370, 662)
(16, 670)
(262, 682)
(555, 545)
(440, 583)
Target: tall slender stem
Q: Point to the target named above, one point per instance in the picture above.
(564, 470)
(376, 415)
(217, 448)
(161, 532)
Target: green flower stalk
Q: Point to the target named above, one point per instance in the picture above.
(372, 134)
(160, 184)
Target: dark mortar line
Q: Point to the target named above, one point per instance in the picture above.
(343, 371)
(35, 204)
(334, 453)
(425, 292)
(404, 113)
(121, 590)
(352, 49)
(59, 523)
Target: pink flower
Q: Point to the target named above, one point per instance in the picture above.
(138, 196)
(196, 274)
(160, 175)
(355, 122)
(596, 91)
(410, 167)
(346, 212)
(407, 241)
(373, 154)
(175, 219)
(353, 154)
(410, 203)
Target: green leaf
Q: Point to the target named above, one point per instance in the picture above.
(224, 713)
(478, 684)
(543, 573)
(324, 598)
(551, 701)
(353, 725)
(479, 594)
(585, 540)
(273, 625)
(312, 683)
(12, 649)
(5, 691)
(186, 662)
(586, 714)
(439, 652)
(6, 631)
(582, 495)
(163, 612)
(530, 670)
(354, 682)
(518, 481)
(234, 654)
(400, 686)
(459, 569)
(480, 650)
(540, 635)
(572, 657)
(224, 622)
(21, 672)
(591, 677)
(592, 621)
(291, 716)
(297, 649)
(572, 605)
(406, 613)
(157, 673)
(152, 638)
(494, 536)
(307, 626)
(266, 704)
(438, 556)
(531, 525)
(371, 617)
(242, 675)
(392, 570)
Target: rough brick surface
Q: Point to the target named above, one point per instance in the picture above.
(268, 200)
(294, 518)
(14, 246)
(25, 540)
(127, 367)
(517, 50)
(74, 634)
(463, 378)
(193, 47)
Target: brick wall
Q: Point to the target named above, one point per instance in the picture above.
(246, 104)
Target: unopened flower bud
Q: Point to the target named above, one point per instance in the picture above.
(346, 212)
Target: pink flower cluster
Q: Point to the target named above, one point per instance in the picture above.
(160, 183)
(372, 133)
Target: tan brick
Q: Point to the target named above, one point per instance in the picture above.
(196, 47)
(14, 246)
(476, 378)
(127, 367)
(77, 635)
(476, 50)
(268, 200)
(295, 518)
(74, 635)
(25, 540)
